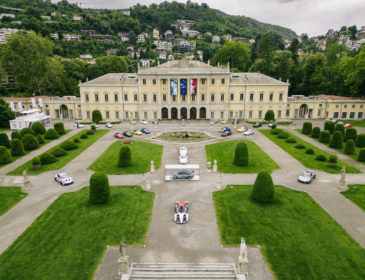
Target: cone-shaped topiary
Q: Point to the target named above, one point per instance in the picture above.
(60, 128)
(5, 156)
(269, 115)
(307, 128)
(96, 116)
(340, 127)
(17, 148)
(27, 130)
(316, 131)
(30, 142)
(350, 147)
(241, 154)
(125, 157)
(40, 139)
(336, 140)
(39, 128)
(350, 133)
(325, 136)
(4, 140)
(360, 141)
(330, 126)
(16, 135)
(361, 156)
(51, 134)
(263, 189)
(99, 189)
(47, 158)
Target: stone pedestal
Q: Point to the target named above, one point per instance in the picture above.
(342, 186)
(148, 182)
(242, 265)
(219, 182)
(26, 186)
(152, 167)
(215, 166)
(123, 265)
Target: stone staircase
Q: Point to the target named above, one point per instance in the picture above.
(177, 271)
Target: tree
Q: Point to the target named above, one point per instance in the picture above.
(294, 49)
(360, 141)
(96, 116)
(51, 134)
(5, 114)
(17, 148)
(263, 188)
(350, 147)
(241, 154)
(314, 80)
(316, 131)
(16, 135)
(125, 157)
(60, 128)
(4, 140)
(99, 189)
(336, 140)
(5, 156)
(361, 156)
(307, 128)
(47, 158)
(330, 126)
(237, 54)
(270, 115)
(340, 127)
(30, 142)
(325, 136)
(350, 133)
(39, 128)
(108, 64)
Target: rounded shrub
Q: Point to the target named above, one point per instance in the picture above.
(51, 134)
(340, 127)
(299, 146)
(325, 136)
(90, 132)
(321, 158)
(47, 158)
(83, 136)
(17, 148)
(59, 152)
(40, 139)
(4, 140)
(263, 188)
(291, 140)
(360, 141)
(336, 140)
(93, 127)
(96, 116)
(330, 126)
(60, 128)
(316, 131)
(39, 128)
(361, 156)
(5, 156)
(309, 151)
(241, 154)
(307, 128)
(125, 158)
(99, 189)
(68, 145)
(27, 130)
(76, 140)
(270, 115)
(36, 161)
(16, 135)
(350, 147)
(273, 126)
(30, 142)
(276, 131)
(283, 135)
(332, 159)
(350, 133)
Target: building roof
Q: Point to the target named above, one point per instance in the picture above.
(113, 79)
(335, 97)
(8, 99)
(255, 79)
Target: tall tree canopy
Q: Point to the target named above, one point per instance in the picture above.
(236, 53)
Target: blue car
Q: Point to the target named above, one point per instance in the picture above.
(145, 131)
(224, 129)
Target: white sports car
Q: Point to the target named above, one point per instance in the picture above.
(181, 212)
(306, 177)
(183, 159)
(63, 178)
(248, 132)
(183, 151)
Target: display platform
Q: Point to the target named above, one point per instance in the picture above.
(178, 172)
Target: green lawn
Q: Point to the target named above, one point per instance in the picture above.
(223, 152)
(356, 123)
(142, 154)
(298, 238)
(68, 240)
(62, 161)
(9, 196)
(356, 193)
(307, 160)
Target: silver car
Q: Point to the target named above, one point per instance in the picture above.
(183, 174)
(307, 176)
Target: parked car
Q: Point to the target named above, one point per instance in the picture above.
(181, 215)
(242, 129)
(144, 122)
(137, 132)
(224, 121)
(307, 177)
(272, 123)
(183, 174)
(108, 125)
(348, 125)
(256, 125)
(226, 133)
(183, 151)
(249, 132)
(224, 129)
(145, 131)
(127, 134)
(183, 159)
(118, 135)
(78, 125)
(62, 178)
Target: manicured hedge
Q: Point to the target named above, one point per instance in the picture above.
(83, 136)
(16, 135)
(125, 157)
(99, 189)
(332, 158)
(350, 147)
(241, 154)
(76, 140)
(276, 131)
(90, 132)
(17, 148)
(321, 158)
(30, 142)
(309, 151)
(5, 156)
(60, 128)
(361, 156)
(36, 161)
(299, 146)
(325, 136)
(47, 158)
(330, 126)
(68, 145)
(350, 133)
(316, 132)
(270, 115)
(40, 139)
(283, 135)
(263, 189)
(27, 130)
(59, 152)
(4, 140)
(340, 127)
(336, 140)
(360, 141)
(307, 128)
(51, 134)
(96, 116)
(39, 128)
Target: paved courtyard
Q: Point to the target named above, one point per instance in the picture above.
(198, 241)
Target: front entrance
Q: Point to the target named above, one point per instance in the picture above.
(174, 113)
(303, 111)
(193, 113)
(164, 113)
(202, 113)
(183, 113)
(63, 112)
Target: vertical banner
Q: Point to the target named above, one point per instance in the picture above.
(173, 86)
(20, 106)
(33, 102)
(40, 102)
(194, 85)
(12, 106)
(183, 86)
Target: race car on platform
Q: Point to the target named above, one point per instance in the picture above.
(181, 215)
(306, 177)
(62, 177)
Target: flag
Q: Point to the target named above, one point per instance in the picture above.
(193, 86)
(20, 106)
(12, 106)
(173, 86)
(183, 86)
(40, 102)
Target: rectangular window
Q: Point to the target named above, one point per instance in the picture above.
(260, 114)
(241, 96)
(88, 115)
(155, 115)
(241, 114)
(320, 105)
(203, 81)
(203, 96)
(127, 115)
(87, 97)
(222, 96)
(106, 96)
(335, 115)
(344, 115)
(319, 112)
(279, 114)
(345, 106)
(353, 106)
(154, 81)
(145, 115)
(231, 114)
(47, 112)
(271, 96)
(232, 96)
(261, 97)
(96, 98)
(222, 81)
(183, 97)
(136, 115)
(144, 97)
(107, 115)
(174, 98)
(125, 97)
(251, 97)
(164, 81)
(164, 97)
(116, 97)
(250, 114)
(360, 115)
(116, 115)
(361, 106)
(135, 97)
(144, 81)
(337, 106)
(222, 115)
(192, 97)
(212, 97)
(213, 81)
(352, 115)
(154, 98)
(287, 113)
(280, 97)
(212, 115)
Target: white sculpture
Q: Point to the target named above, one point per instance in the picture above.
(342, 183)
(243, 258)
(215, 166)
(123, 259)
(152, 167)
(26, 185)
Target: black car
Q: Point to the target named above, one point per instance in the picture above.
(256, 125)
(226, 133)
(235, 121)
(183, 174)
(127, 134)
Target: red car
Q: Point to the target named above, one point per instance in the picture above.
(118, 135)
(348, 125)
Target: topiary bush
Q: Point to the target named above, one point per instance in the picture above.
(241, 154)
(39, 128)
(283, 135)
(350, 133)
(51, 134)
(276, 131)
(47, 158)
(4, 140)
(309, 151)
(99, 189)
(332, 159)
(36, 161)
(360, 141)
(299, 146)
(60, 128)
(59, 152)
(17, 148)
(125, 157)
(263, 188)
(330, 126)
(40, 139)
(30, 142)
(76, 140)
(68, 145)
(321, 158)
(93, 127)
(27, 130)
(325, 136)
(361, 156)
(340, 127)
(16, 135)
(307, 128)
(96, 116)
(316, 132)
(350, 147)
(273, 126)
(291, 140)
(5, 156)
(336, 140)
(83, 136)
(90, 132)
(269, 115)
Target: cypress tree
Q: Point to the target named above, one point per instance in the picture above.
(241, 154)
(263, 188)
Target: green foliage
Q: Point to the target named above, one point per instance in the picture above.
(30, 142)
(316, 132)
(36, 161)
(336, 140)
(39, 128)
(321, 158)
(350, 147)
(307, 128)
(40, 139)
(16, 135)
(241, 154)
(283, 135)
(76, 140)
(291, 140)
(47, 158)
(83, 136)
(96, 116)
(59, 152)
(332, 159)
(325, 136)
(269, 115)
(5, 113)
(300, 146)
(276, 131)
(361, 156)
(4, 140)
(360, 142)
(125, 157)
(17, 148)
(273, 126)
(340, 127)
(51, 134)
(309, 151)
(60, 128)
(350, 133)
(27, 130)
(263, 189)
(330, 126)
(5, 156)
(90, 132)
(237, 54)
(68, 145)
(99, 189)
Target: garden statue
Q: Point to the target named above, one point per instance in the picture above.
(342, 183)
(148, 182)
(26, 185)
(243, 258)
(215, 166)
(152, 167)
(123, 259)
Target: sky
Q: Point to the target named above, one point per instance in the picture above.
(313, 17)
